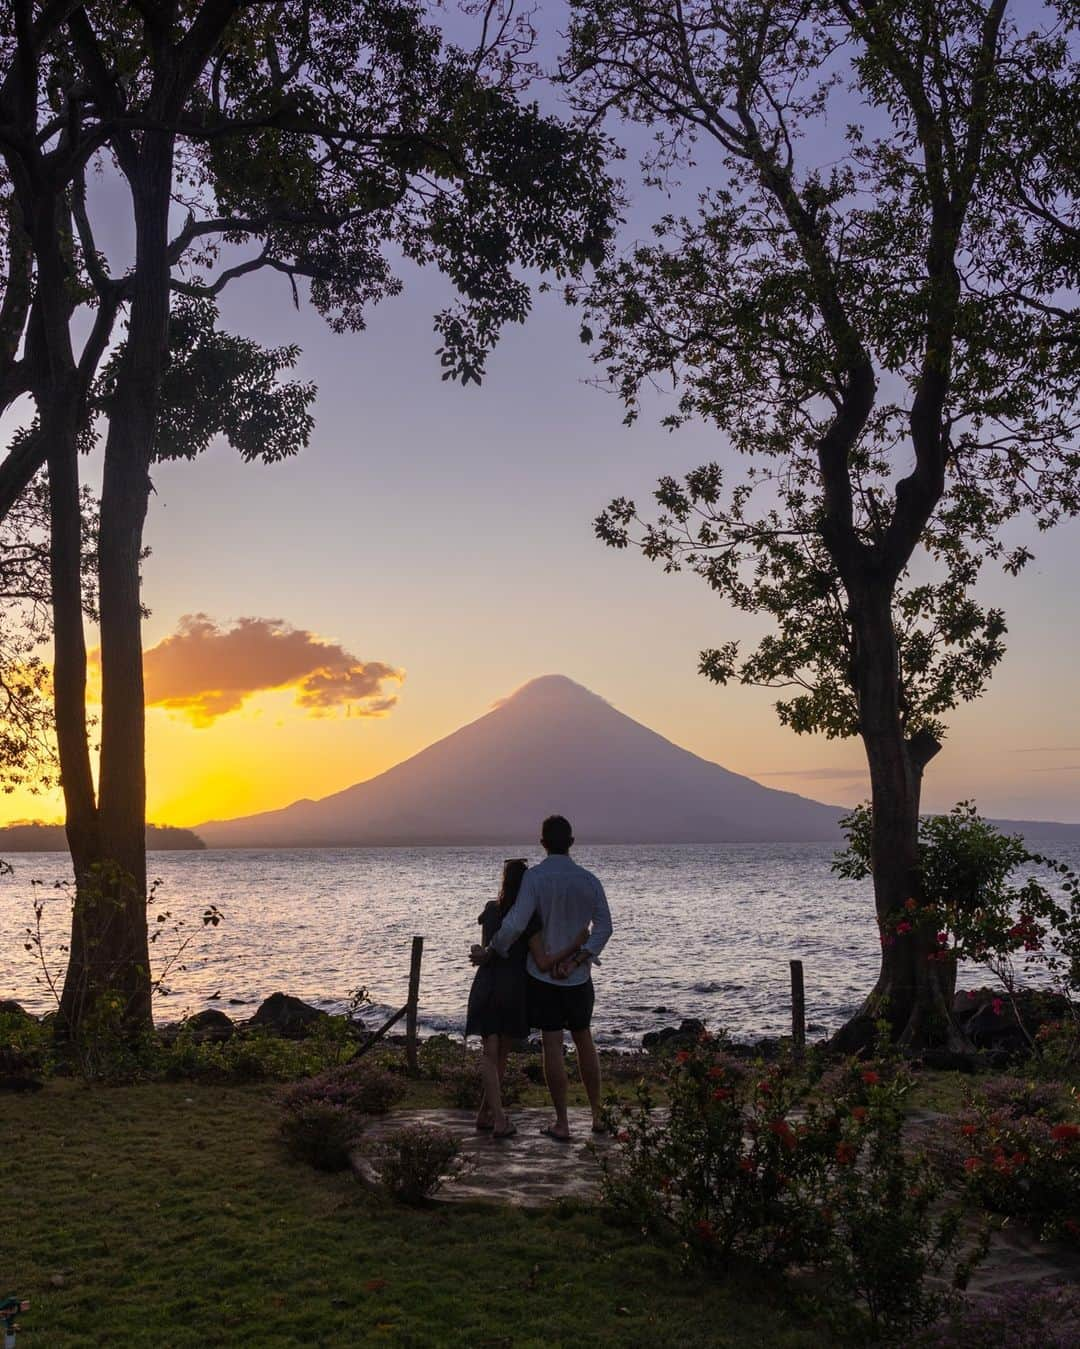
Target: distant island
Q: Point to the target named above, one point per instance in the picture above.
(37, 837)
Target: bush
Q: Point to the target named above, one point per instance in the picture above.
(1024, 1166)
(250, 1056)
(320, 1133)
(437, 1054)
(1017, 1096)
(750, 1163)
(414, 1161)
(461, 1084)
(364, 1089)
(25, 1050)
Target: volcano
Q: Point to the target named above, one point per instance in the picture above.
(551, 747)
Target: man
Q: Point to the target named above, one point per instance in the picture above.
(567, 899)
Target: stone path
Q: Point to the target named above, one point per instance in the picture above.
(527, 1170)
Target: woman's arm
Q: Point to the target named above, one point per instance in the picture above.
(539, 953)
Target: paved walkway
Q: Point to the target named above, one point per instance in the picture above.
(527, 1170)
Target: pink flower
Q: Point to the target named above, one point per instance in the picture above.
(997, 1006)
(905, 926)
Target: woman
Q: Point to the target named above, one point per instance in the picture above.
(498, 1000)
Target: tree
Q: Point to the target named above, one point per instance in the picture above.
(27, 747)
(878, 327)
(312, 139)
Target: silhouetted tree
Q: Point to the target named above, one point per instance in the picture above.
(311, 139)
(27, 745)
(868, 303)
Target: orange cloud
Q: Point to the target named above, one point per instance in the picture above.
(204, 671)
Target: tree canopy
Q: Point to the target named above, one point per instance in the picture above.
(899, 277)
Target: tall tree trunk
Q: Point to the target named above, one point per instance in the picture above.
(114, 924)
(913, 992)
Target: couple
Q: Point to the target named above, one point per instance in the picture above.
(541, 938)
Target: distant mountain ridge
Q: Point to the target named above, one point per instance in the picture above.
(551, 746)
(35, 837)
(554, 746)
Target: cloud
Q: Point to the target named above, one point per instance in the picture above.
(205, 670)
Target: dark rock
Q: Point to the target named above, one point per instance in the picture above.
(661, 1011)
(286, 1015)
(9, 1007)
(238, 1002)
(682, 1036)
(210, 1024)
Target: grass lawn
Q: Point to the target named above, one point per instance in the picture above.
(168, 1215)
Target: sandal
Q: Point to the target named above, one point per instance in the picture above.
(508, 1132)
(549, 1132)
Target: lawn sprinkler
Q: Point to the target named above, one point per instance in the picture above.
(9, 1309)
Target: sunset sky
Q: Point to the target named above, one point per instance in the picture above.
(433, 549)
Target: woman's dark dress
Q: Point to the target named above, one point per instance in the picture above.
(498, 999)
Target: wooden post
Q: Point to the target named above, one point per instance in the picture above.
(798, 1009)
(411, 1061)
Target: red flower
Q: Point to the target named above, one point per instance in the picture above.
(845, 1154)
(721, 1094)
(1019, 1158)
(622, 1137)
(682, 1056)
(911, 905)
(782, 1129)
(764, 1087)
(716, 1071)
(968, 1129)
(705, 1230)
(973, 1164)
(1065, 1133)
(905, 926)
(745, 1164)
(858, 1112)
(941, 938)
(997, 1006)
(871, 1078)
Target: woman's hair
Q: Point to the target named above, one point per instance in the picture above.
(514, 869)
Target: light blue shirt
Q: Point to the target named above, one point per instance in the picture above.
(567, 898)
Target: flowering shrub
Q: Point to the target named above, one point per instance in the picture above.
(462, 1084)
(970, 908)
(362, 1088)
(1022, 1165)
(320, 1132)
(1017, 1096)
(748, 1162)
(415, 1160)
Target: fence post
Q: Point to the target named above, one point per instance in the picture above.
(411, 1061)
(798, 1008)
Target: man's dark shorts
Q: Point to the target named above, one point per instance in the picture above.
(560, 1006)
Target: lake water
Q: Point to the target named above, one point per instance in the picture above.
(699, 931)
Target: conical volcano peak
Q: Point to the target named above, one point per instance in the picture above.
(551, 689)
(551, 747)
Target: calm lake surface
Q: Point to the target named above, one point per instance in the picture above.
(699, 931)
